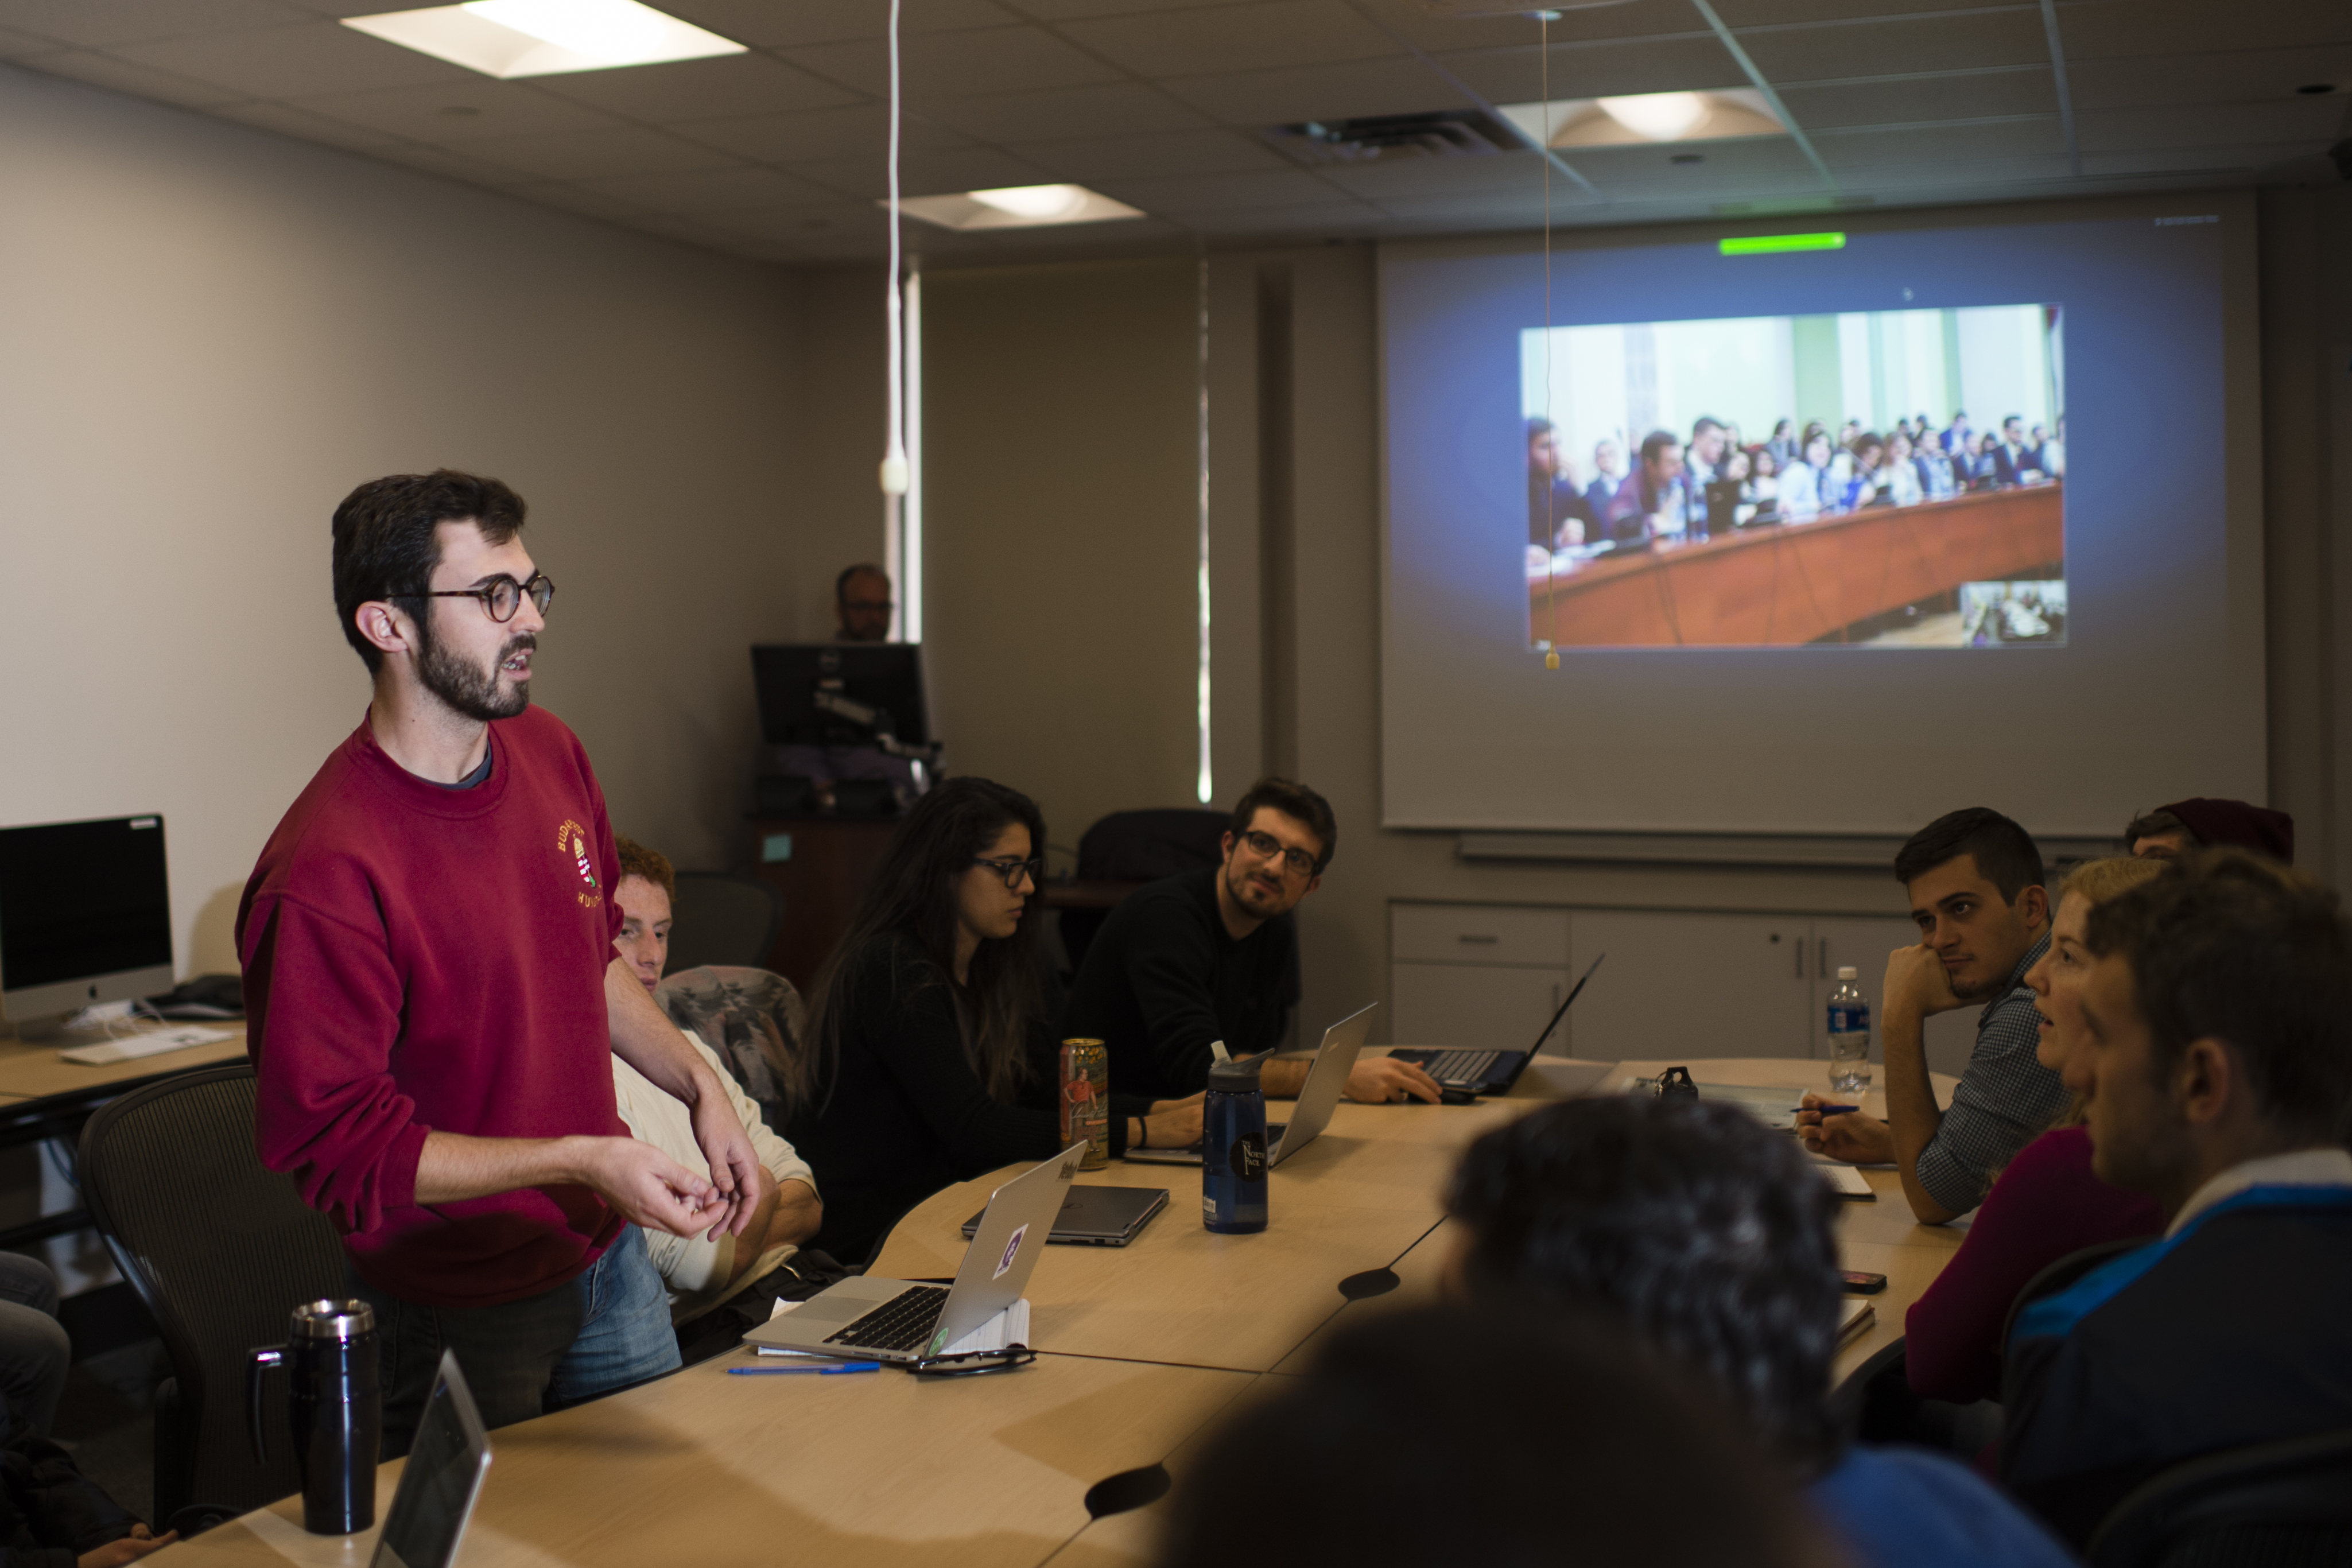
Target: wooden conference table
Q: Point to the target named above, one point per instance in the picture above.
(1145, 1348)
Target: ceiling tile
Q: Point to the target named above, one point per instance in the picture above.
(120, 76)
(1316, 220)
(101, 24)
(15, 46)
(1612, 19)
(475, 109)
(572, 199)
(713, 190)
(2109, 29)
(452, 165)
(1215, 151)
(2311, 121)
(293, 62)
(857, 132)
(1200, 193)
(700, 89)
(2204, 161)
(1070, 10)
(1898, 46)
(860, 221)
(1978, 95)
(1691, 62)
(1742, 13)
(1517, 174)
(1112, 109)
(1233, 37)
(957, 65)
(923, 173)
(588, 154)
(2037, 135)
(286, 120)
(1766, 157)
(786, 24)
(2237, 75)
(1319, 92)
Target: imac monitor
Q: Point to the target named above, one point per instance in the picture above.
(85, 915)
(803, 688)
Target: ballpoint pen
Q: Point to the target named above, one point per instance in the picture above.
(846, 1366)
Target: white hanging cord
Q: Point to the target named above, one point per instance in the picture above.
(1551, 604)
(893, 450)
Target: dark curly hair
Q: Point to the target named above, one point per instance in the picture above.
(2234, 947)
(1708, 1234)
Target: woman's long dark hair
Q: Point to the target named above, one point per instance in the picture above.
(912, 894)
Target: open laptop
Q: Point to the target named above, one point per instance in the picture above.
(447, 1464)
(1490, 1072)
(1335, 1058)
(1096, 1217)
(899, 1320)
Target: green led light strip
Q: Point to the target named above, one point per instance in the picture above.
(1774, 244)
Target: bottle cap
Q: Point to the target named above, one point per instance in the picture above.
(1847, 971)
(1233, 1078)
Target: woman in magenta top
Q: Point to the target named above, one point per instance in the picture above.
(2047, 1203)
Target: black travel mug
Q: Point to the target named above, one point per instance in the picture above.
(334, 1404)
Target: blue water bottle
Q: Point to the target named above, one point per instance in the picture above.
(1233, 1149)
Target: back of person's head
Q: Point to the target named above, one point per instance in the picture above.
(386, 546)
(1453, 1434)
(2215, 824)
(910, 897)
(1298, 802)
(1709, 1234)
(2004, 853)
(637, 860)
(2235, 947)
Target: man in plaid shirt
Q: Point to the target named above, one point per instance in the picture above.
(1975, 883)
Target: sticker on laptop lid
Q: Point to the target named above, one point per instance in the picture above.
(1011, 1251)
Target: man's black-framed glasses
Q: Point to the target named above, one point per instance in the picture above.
(1265, 846)
(501, 597)
(1014, 870)
(973, 1363)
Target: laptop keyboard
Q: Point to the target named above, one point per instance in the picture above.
(1455, 1069)
(904, 1322)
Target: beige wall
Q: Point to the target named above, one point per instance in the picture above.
(1062, 531)
(209, 335)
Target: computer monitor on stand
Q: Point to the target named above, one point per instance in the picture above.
(85, 918)
(863, 697)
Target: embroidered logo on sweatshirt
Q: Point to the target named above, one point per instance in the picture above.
(571, 843)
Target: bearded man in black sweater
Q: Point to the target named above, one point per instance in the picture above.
(1206, 955)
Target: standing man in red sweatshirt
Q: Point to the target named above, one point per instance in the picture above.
(432, 993)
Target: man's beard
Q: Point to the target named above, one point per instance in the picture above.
(471, 692)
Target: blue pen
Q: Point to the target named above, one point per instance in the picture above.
(1835, 1109)
(846, 1366)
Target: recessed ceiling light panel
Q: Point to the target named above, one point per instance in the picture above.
(1723, 115)
(1017, 207)
(508, 38)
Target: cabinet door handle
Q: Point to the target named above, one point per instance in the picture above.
(1488, 939)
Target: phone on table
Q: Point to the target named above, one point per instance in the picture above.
(1861, 1284)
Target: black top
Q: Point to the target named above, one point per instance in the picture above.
(903, 1114)
(1164, 978)
(51, 1513)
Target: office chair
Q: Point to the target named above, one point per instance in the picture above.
(1138, 847)
(750, 1016)
(2273, 1505)
(221, 1249)
(2059, 1276)
(722, 919)
(1874, 1404)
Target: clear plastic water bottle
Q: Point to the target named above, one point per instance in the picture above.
(1849, 1034)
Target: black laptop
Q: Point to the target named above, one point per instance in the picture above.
(1489, 1072)
(1098, 1217)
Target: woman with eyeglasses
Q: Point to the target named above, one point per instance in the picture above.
(930, 1055)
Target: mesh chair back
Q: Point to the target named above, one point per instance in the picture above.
(221, 1249)
(751, 1018)
(2058, 1276)
(2274, 1505)
(723, 920)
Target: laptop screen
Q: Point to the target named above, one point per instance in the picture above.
(438, 1487)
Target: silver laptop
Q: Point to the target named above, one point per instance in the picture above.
(446, 1463)
(900, 1321)
(1335, 1058)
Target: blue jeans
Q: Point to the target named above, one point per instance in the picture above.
(604, 1331)
(34, 1349)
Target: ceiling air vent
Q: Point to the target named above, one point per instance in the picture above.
(1446, 133)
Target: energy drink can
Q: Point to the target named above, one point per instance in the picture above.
(1085, 1101)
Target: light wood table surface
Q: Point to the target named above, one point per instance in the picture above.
(1146, 1348)
(35, 1070)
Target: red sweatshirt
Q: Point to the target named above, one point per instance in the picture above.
(417, 958)
(2046, 1205)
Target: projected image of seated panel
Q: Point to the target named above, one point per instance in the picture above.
(1890, 479)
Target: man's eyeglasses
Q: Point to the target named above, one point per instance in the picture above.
(502, 598)
(1265, 846)
(973, 1363)
(1014, 870)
